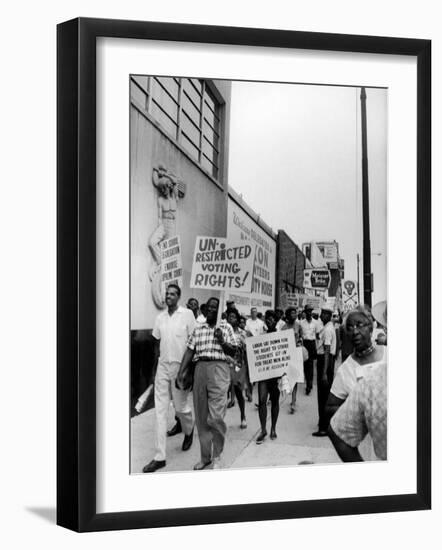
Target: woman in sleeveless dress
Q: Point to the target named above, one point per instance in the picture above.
(366, 355)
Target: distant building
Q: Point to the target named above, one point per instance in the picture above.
(290, 269)
(326, 254)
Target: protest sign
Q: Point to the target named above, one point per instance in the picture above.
(349, 295)
(272, 355)
(221, 264)
(292, 300)
(329, 303)
(313, 301)
(171, 265)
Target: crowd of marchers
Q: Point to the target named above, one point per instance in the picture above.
(201, 355)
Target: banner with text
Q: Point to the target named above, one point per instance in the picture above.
(222, 264)
(171, 265)
(272, 355)
(241, 226)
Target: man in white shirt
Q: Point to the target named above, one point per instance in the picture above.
(254, 325)
(308, 328)
(325, 367)
(171, 330)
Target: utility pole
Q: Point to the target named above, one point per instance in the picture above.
(359, 295)
(365, 205)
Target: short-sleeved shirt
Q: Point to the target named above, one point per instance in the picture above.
(327, 337)
(365, 411)
(308, 330)
(203, 341)
(240, 341)
(294, 327)
(173, 332)
(350, 373)
(256, 327)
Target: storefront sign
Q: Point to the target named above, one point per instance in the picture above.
(330, 252)
(240, 226)
(316, 278)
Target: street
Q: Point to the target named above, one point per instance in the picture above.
(294, 445)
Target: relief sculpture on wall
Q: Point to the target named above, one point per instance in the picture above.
(169, 189)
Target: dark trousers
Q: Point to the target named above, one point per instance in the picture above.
(310, 346)
(266, 388)
(324, 388)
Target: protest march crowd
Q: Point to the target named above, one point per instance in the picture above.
(202, 351)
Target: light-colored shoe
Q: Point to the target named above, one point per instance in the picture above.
(217, 463)
(243, 425)
(201, 465)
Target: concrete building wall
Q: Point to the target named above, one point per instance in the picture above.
(201, 211)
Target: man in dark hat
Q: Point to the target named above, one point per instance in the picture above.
(307, 330)
(325, 367)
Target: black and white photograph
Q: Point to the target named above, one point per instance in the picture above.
(219, 228)
(258, 274)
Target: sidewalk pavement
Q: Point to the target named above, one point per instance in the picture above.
(294, 444)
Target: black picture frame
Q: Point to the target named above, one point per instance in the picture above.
(76, 273)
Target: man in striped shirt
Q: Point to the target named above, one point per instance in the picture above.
(209, 347)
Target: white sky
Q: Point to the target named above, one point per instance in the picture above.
(295, 156)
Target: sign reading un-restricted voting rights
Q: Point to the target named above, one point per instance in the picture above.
(222, 264)
(272, 355)
(171, 265)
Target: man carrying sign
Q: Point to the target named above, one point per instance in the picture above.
(209, 346)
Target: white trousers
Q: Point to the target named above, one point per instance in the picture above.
(165, 391)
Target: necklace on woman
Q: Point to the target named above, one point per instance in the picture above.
(364, 352)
